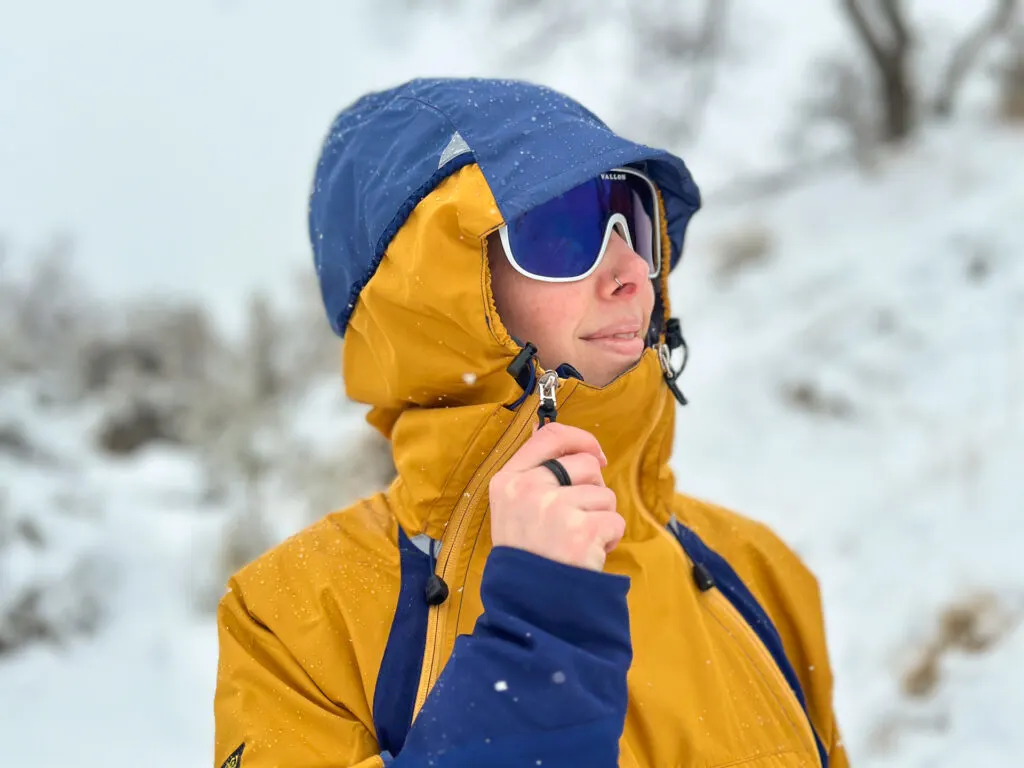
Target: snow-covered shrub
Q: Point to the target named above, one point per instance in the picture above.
(46, 314)
(53, 579)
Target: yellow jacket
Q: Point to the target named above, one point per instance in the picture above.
(678, 655)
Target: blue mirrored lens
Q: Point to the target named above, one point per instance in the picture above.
(562, 238)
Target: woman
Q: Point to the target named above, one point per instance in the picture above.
(531, 590)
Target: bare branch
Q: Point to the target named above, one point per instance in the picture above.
(893, 11)
(895, 88)
(965, 54)
(867, 35)
(1011, 79)
(709, 37)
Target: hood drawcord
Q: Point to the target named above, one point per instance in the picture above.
(673, 341)
(521, 369)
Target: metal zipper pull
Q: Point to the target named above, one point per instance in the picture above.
(547, 385)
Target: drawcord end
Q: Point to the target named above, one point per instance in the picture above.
(520, 368)
(436, 591)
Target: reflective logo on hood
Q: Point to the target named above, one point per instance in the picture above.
(456, 146)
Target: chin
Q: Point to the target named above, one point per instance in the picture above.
(606, 376)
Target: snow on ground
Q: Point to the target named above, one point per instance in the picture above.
(858, 383)
(134, 538)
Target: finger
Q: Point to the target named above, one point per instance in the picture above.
(588, 498)
(554, 442)
(616, 529)
(609, 529)
(583, 469)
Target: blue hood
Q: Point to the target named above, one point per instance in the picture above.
(389, 150)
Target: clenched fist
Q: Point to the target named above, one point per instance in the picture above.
(576, 525)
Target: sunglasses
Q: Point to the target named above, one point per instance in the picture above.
(564, 239)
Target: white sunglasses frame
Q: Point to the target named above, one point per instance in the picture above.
(616, 218)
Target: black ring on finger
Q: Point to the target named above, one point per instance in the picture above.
(558, 471)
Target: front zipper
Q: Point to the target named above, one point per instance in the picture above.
(455, 533)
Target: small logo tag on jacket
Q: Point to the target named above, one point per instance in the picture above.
(235, 758)
(613, 176)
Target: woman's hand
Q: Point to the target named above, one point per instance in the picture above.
(576, 525)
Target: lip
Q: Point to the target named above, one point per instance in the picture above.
(605, 337)
(628, 326)
(632, 348)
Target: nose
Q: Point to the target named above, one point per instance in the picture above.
(622, 262)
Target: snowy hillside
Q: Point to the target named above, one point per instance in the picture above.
(856, 377)
(860, 387)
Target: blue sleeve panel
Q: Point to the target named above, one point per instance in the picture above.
(542, 678)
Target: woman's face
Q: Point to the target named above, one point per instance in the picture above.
(593, 324)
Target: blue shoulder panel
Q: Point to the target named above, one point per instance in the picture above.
(389, 150)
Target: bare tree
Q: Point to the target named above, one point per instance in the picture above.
(967, 52)
(882, 29)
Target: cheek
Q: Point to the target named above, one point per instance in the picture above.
(545, 313)
(548, 315)
(648, 299)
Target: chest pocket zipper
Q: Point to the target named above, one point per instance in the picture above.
(734, 602)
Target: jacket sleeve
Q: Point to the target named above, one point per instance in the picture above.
(262, 689)
(542, 678)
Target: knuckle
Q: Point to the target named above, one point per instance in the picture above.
(547, 500)
(503, 485)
